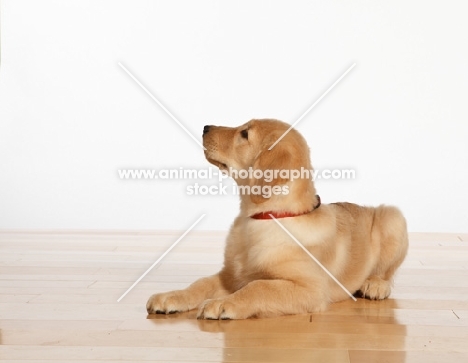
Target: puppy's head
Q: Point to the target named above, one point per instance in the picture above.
(246, 148)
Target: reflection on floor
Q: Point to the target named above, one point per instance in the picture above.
(59, 291)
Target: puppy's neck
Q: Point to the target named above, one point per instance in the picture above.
(296, 197)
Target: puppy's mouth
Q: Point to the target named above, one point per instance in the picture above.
(212, 155)
(217, 163)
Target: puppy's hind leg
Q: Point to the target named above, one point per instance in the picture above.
(375, 288)
(390, 234)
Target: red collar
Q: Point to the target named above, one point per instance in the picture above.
(270, 215)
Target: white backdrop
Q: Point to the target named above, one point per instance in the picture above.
(70, 118)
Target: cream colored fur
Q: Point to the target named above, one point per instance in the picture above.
(265, 273)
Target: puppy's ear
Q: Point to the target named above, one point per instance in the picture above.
(271, 161)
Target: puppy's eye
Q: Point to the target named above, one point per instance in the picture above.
(245, 134)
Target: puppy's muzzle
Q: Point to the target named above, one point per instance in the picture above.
(206, 129)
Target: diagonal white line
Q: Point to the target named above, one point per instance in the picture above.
(313, 105)
(160, 104)
(160, 258)
(313, 257)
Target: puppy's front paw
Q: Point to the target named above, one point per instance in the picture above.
(220, 309)
(167, 303)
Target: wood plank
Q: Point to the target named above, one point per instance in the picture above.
(274, 341)
(59, 291)
(173, 354)
(366, 356)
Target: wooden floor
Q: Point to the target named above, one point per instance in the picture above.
(59, 291)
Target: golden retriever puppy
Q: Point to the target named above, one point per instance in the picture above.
(265, 272)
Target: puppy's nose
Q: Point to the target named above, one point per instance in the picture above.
(206, 129)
